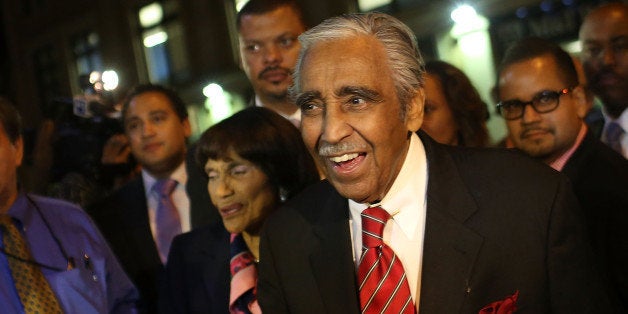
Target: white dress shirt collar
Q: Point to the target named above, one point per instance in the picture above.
(407, 194)
(179, 174)
(294, 118)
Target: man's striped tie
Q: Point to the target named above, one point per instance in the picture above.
(383, 284)
(31, 285)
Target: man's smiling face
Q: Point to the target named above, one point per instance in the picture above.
(351, 116)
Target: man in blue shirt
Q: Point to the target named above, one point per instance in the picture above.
(64, 244)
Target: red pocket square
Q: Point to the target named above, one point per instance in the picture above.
(505, 306)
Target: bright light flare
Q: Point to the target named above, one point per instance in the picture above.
(110, 80)
(155, 39)
(463, 14)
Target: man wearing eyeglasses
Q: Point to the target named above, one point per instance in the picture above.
(544, 106)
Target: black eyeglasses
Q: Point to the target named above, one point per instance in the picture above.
(543, 102)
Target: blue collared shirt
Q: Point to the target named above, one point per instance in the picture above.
(95, 284)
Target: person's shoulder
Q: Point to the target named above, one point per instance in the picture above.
(313, 196)
(200, 244)
(505, 176)
(319, 189)
(61, 212)
(131, 192)
(318, 202)
(503, 162)
(54, 204)
(605, 156)
(487, 161)
(201, 235)
(134, 187)
(595, 166)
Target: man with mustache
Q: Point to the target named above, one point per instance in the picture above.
(139, 219)
(268, 31)
(444, 229)
(544, 106)
(604, 37)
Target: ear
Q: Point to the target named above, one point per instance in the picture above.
(414, 114)
(18, 146)
(187, 128)
(240, 53)
(580, 101)
(240, 64)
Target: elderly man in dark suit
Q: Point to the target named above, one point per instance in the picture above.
(544, 107)
(137, 220)
(403, 223)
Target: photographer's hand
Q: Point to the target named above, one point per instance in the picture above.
(116, 150)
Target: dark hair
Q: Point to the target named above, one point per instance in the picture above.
(469, 111)
(266, 139)
(10, 120)
(255, 7)
(177, 103)
(532, 47)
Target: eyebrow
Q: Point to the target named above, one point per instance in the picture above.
(365, 92)
(158, 111)
(612, 39)
(287, 34)
(150, 114)
(307, 96)
(130, 118)
(261, 40)
(228, 160)
(538, 94)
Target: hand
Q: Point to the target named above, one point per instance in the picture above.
(116, 150)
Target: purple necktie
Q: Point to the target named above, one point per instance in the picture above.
(166, 218)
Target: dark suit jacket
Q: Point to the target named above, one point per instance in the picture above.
(496, 223)
(123, 219)
(197, 275)
(599, 176)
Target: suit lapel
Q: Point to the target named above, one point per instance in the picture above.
(332, 258)
(450, 248)
(138, 224)
(579, 157)
(218, 254)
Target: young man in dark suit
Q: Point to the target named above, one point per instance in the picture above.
(471, 230)
(544, 107)
(156, 123)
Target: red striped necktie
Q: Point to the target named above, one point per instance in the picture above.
(383, 284)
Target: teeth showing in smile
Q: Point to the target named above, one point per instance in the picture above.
(344, 157)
